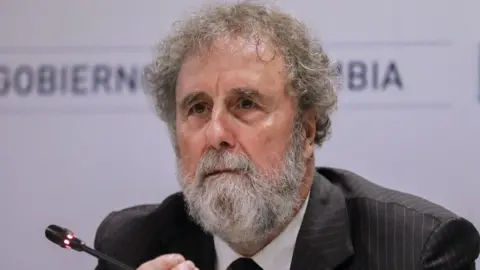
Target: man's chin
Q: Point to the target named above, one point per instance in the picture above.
(222, 215)
(232, 234)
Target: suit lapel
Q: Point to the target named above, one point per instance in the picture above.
(324, 238)
(183, 236)
(199, 248)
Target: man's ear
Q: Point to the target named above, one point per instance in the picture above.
(310, 131)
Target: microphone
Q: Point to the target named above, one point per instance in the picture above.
(67, 239)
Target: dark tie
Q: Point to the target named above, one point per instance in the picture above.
(244, 264)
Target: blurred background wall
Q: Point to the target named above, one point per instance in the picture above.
(78, 138)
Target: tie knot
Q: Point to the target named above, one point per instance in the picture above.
(244, 264)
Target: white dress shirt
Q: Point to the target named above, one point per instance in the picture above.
(275, 256)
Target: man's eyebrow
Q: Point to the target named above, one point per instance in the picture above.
(248, 91)
(189, 99)
(252, 93)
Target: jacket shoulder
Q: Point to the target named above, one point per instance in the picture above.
(130, 234)
(436, 237)
(118, 222)
(363, 192)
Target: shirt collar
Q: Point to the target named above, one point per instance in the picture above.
(276, 255)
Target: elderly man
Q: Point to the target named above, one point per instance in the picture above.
(247, 94)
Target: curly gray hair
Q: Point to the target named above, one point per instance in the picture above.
(311, 75)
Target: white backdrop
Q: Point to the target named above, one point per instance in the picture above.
(78, 140)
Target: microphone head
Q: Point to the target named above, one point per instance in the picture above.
(63, 237)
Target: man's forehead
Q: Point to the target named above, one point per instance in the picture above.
(261, 47)
(239, 48)
(232, 63)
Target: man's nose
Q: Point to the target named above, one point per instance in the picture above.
(219, 134)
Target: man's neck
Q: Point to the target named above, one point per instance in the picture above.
(248, 250)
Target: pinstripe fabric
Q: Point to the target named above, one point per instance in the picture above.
(350, 223)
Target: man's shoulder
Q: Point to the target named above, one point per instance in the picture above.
(136, 224)
(388, 221)
(366, 196)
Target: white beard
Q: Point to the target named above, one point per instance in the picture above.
(245, 207)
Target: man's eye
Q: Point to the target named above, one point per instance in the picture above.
(246, 104)
(198, 108)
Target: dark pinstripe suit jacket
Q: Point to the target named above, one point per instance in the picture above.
(350, 223)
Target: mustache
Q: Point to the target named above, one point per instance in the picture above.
(221, 160)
